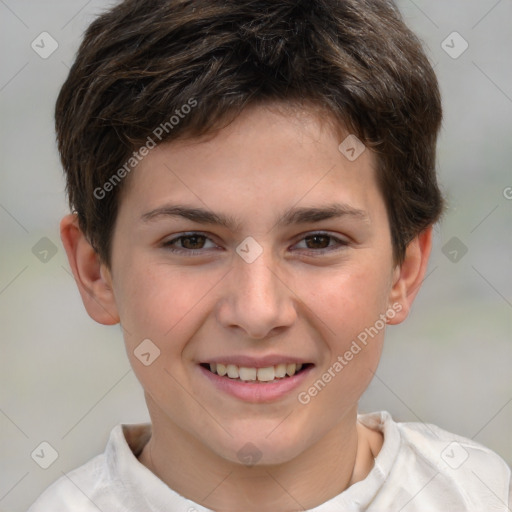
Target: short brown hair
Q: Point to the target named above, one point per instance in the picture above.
(143, 60)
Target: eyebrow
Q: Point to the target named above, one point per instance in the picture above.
(292, 216)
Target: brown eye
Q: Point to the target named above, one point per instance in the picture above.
(321, 243)
(317, 241)
(192, 242)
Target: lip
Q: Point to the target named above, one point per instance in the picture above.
(256, 392)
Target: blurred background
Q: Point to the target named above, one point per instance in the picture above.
(66, 381)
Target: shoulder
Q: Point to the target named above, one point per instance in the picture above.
(459, 468)
(422, 467)
(95, 485)
(74, 491)
(450, 451)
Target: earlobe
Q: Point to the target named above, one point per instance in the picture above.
(91, 275)
(408, 277)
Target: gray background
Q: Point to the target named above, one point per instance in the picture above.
(67, 381)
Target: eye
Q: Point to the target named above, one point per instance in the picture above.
(195, 244)
(321, 242)
(190, 243)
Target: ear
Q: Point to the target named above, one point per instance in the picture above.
(91, 275)
(408, 277)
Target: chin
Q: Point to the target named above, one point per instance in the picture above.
(261, 449)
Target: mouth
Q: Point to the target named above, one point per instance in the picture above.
(265, 375)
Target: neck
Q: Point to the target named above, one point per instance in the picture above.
(339, 459)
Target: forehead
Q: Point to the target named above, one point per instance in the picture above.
(265, 157)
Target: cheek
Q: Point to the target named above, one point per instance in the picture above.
(157, 303)
(163, 303)
(347, 300)
(152, 297)
(348, 307)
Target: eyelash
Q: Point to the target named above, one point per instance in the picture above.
(168, 245)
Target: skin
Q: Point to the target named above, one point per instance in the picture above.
(302, 297)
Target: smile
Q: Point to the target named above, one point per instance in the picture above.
(263, 379)
(248, 374)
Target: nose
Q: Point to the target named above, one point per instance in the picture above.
(258, 302)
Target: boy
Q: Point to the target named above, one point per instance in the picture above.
(254, 190)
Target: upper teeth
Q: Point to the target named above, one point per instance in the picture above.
(261, 374)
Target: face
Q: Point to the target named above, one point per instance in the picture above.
(261, 248)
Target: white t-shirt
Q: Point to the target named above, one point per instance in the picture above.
(420, 468)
